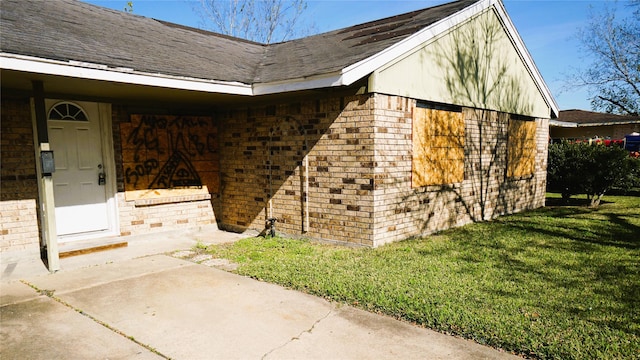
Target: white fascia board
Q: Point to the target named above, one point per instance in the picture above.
(512, 32)
(364, 67)
(565, 124)
(610, 123)
(121, 75)
(316, 82)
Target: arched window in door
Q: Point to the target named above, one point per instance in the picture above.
(67, 111)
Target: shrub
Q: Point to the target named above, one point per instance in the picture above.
(580, 168)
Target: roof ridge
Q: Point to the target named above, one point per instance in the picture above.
(207, 32)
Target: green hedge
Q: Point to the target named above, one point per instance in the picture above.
(581, 168)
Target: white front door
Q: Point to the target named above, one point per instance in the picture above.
(79, 194)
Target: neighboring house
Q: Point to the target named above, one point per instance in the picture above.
(581, 124)
(370, 134)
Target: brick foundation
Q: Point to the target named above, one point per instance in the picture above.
(18, 225)
(143, 219)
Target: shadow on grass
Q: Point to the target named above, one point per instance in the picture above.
(585, 225)
(592, 254)
(554, 202)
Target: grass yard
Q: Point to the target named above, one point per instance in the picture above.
(557, 282)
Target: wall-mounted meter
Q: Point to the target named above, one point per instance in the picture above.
(48, 165)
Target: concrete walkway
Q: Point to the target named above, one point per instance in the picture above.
(162, 307)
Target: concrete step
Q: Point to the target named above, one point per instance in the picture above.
(82, 247)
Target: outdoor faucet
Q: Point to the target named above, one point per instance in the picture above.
(271, 226)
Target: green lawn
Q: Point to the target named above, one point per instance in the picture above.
(557, 282)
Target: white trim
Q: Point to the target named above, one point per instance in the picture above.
(346, 76)
(109, 162)
(564, 124)
(329, 80)
(526, 56)
(46, 204)
(364, 67)
(90, 71)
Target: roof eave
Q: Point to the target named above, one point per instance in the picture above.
(347, 76)
(526, 57)
(333, 79)
(609, 123)
(100, 72)
(564, 124)
(357, 71)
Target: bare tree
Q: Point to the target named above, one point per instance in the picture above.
(614, 76)
(264, 21)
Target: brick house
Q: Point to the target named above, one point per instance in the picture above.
(370, 134)
(582, 124)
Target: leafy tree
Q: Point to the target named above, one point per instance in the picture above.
(264, 21)
(581, 168)
(614, 76)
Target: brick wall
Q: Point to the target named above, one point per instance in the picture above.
(402, 212)
(336, 167)
(19, 225)
(18, 180)
(143, 219)
(358, 150)
(265, 151)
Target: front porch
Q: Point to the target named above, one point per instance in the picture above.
(18, 264)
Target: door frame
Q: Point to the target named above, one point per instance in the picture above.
(104, 121)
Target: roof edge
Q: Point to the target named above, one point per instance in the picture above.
(363, 68)
(334, 79)
(526, 57)
(344, 77)
(357, 71)
(564, 124)
(91, 71)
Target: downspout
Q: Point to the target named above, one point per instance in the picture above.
(270, 159)
(270, 223)
(305, 196)
(271, 220)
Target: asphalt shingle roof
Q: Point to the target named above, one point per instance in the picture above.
(586, 118)
(335, 50)
(70, 30)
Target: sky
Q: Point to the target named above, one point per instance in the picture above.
(547, 27)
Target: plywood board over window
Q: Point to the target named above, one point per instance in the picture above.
(169, 156)
(438, 146)
(521, 148)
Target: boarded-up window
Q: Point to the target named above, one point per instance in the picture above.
(521, 149)
(438, 146)
(165, 152)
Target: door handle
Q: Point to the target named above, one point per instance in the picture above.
(102, 177)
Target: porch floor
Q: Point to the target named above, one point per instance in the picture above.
(15, 265)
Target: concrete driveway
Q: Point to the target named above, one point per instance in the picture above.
(161, 307)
